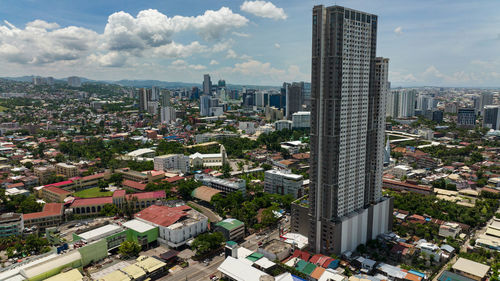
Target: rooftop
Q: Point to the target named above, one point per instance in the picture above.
(49, 209)
(229, 224)
(163, 215)
(138, 226)
(239, 270)
(92, 201)
(471, 267)
(56, 190)
(100, 232)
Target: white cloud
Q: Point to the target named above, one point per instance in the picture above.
(266, 73)
(240, 34)
(263, 9)
(231, 54)
(277, 45)
(182, 64)
(111, 59)
(41, 42)
(214, 62)
(398, 30)
(175, 50)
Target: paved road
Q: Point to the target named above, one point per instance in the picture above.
(196, 271)
(212, 216)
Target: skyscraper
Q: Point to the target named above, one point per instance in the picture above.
(491, 119)
(348, 93)
(144, 99)
(204, 105)
(407, 103)
(207, 84)
(294, 98)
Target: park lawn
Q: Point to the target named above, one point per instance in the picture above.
(3, 108)
(92, 192)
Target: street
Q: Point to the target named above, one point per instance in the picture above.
(196, 271)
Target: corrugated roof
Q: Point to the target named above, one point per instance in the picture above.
(72, 275)
(163, 215)
(134, 271)
(471, 267)
(229, 224)
(115, 276)
(205, 193)
(92, 201)
(317, 272)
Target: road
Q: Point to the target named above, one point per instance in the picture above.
(212, 216)
(196, 271)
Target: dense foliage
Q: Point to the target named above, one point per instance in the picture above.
(129, 249)
(207, 242)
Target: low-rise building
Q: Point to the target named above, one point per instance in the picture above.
(43, 173)
(232, 229)
(176, 225)
(178, 162)
(144, 177)
(301, 120)
(54, 194)
(51, 215)
(300, 214)
(449, 229)
(471, 269)
(199, 160)
(224, 185)
(11, 224)
(283, 182)
(283, 124)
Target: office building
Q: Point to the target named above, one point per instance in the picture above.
(483, 100)
(155, 93)
(283, 182)
(232, 229)
(207, 84)
(392, 108)
(491, 117)
(178, 162)
(74, 81)
(348, 89)
(466, 118)
(225, 185)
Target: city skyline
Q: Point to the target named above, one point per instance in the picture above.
(243, 42)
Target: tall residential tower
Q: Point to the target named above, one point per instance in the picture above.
(348, 99)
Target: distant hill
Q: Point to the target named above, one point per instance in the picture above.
(141, 83)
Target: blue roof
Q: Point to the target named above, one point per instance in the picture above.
(417, 273)
(448, 248)
(295, 278)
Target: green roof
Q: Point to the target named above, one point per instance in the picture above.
(309, 268)
(301, 264)
(231, 243)
(230, 224)
(255, 257)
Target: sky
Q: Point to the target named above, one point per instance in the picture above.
(428, 42)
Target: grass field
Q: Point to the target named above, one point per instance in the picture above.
(3, 108)
(92, 192)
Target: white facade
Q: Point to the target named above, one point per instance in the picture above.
(407, 104)
(301, 119)
(167, 114)
(179, 233)
(172, 162)
(74, 81)
(283, 124)
(208, 160)
(283, 182)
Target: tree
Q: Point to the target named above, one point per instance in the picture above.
(102, 185)
(226, 170)
(207, 242)
(109, 210)
(129, 249)
(116, 178)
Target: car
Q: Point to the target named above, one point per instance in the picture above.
(260, 243)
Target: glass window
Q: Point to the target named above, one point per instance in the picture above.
(358, 16)
(363, 18)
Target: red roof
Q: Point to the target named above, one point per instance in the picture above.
(18, 184)
(56, 190)
(327, 262)
(92, 201)
(163, 215)
(134, 184)
(405, 184)
(61, 183)
(92, 177)
(301, 254)
(49, 209)
(119, 193)
(148, 195)
(174, 179)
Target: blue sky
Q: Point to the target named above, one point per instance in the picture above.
(428, 42)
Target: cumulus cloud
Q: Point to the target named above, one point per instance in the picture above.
(398, 30)
(263, 9)
(277, 45)
(182, 64)
(111, 59)
(266, 72)
(214, 62)
(41, 42)
(240, 34)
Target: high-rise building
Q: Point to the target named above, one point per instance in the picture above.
(205, 105)
(348, 89)
(466, 117)
(167, 114)
(425, 102)
(165, 98)
(207, 84)
(407, 104)
(144, 99)
(283, 182)
(491, 117)
(74, 81)
(155, 93)
(294, 98)
(392, 108)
